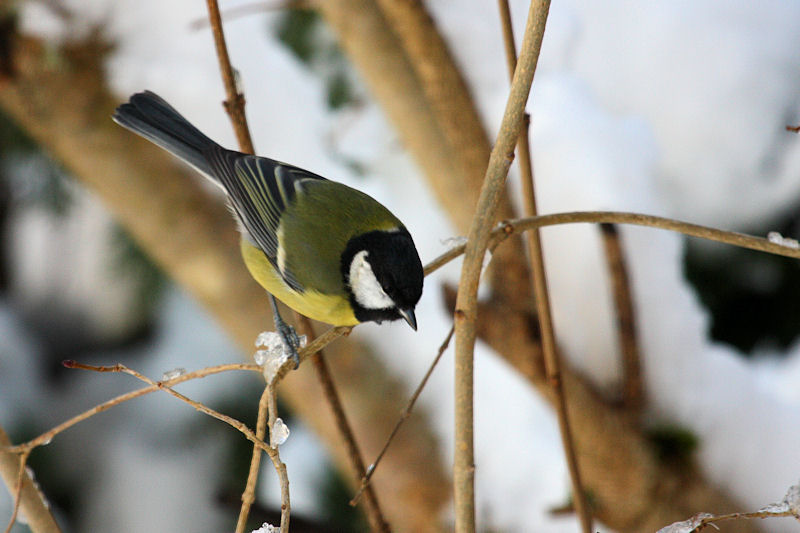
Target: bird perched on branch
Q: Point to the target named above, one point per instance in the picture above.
(324, 249)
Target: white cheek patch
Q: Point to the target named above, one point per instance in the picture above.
(366, 289)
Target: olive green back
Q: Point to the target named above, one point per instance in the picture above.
(315, 228)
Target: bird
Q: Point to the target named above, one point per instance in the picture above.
(326, 250)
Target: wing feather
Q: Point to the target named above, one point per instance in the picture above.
(260, 189)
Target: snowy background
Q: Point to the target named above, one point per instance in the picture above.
(675, 108)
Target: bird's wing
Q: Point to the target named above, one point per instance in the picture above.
(260, 189)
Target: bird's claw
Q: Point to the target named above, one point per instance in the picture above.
(291, 341)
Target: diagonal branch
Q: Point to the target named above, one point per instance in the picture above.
(29, 498)
(374, 514)
(633, 396)
(235, 108)
(234, 105)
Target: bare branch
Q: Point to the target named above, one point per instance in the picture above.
(49, 435)
(249, 494)
(633, 386)
(16, 488)
(28, 499)
(788, 507)
(478, 239)
(510, 227)
(271, 397)
(234, 105)
(372, 508)
(541, 295)
(405, 414)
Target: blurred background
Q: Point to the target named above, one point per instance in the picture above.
(675, 109)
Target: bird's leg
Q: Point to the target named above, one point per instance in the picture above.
(291, 341)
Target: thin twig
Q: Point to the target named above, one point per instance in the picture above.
(466, 302)
(274, 455)
(711, 520)
(372, 509)
(377, 522)
(32, 503)
(49, 435)
(160, 385)
(633, 387)
(552, 362)
(512, 227)
(519, 225)
(234, 105)
(17, 492)
(258, 440)
(788, 507)
(365, 480)
(249, 494)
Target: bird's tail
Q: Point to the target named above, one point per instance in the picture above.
(150, 116)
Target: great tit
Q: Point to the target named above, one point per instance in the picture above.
(324, 249)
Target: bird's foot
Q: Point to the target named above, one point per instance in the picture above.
(292, 342)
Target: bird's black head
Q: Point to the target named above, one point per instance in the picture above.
(383, 274)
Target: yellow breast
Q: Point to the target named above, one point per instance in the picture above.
(330, 308)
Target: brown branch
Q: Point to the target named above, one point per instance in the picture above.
(520, 225)
(27, 496)
(633, 386)
(788, 507)
(374, 515)
(166, 386)
(477, 243)
(234, 104)
(15, 488)
(372, 508)
(510, 227)
(249, 494)
(541, 294)
(405, 414)
(235, 107)
(271, 396)
(49, 435)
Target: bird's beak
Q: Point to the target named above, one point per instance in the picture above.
(408, 316)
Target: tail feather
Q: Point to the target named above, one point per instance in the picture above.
(150, 116)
